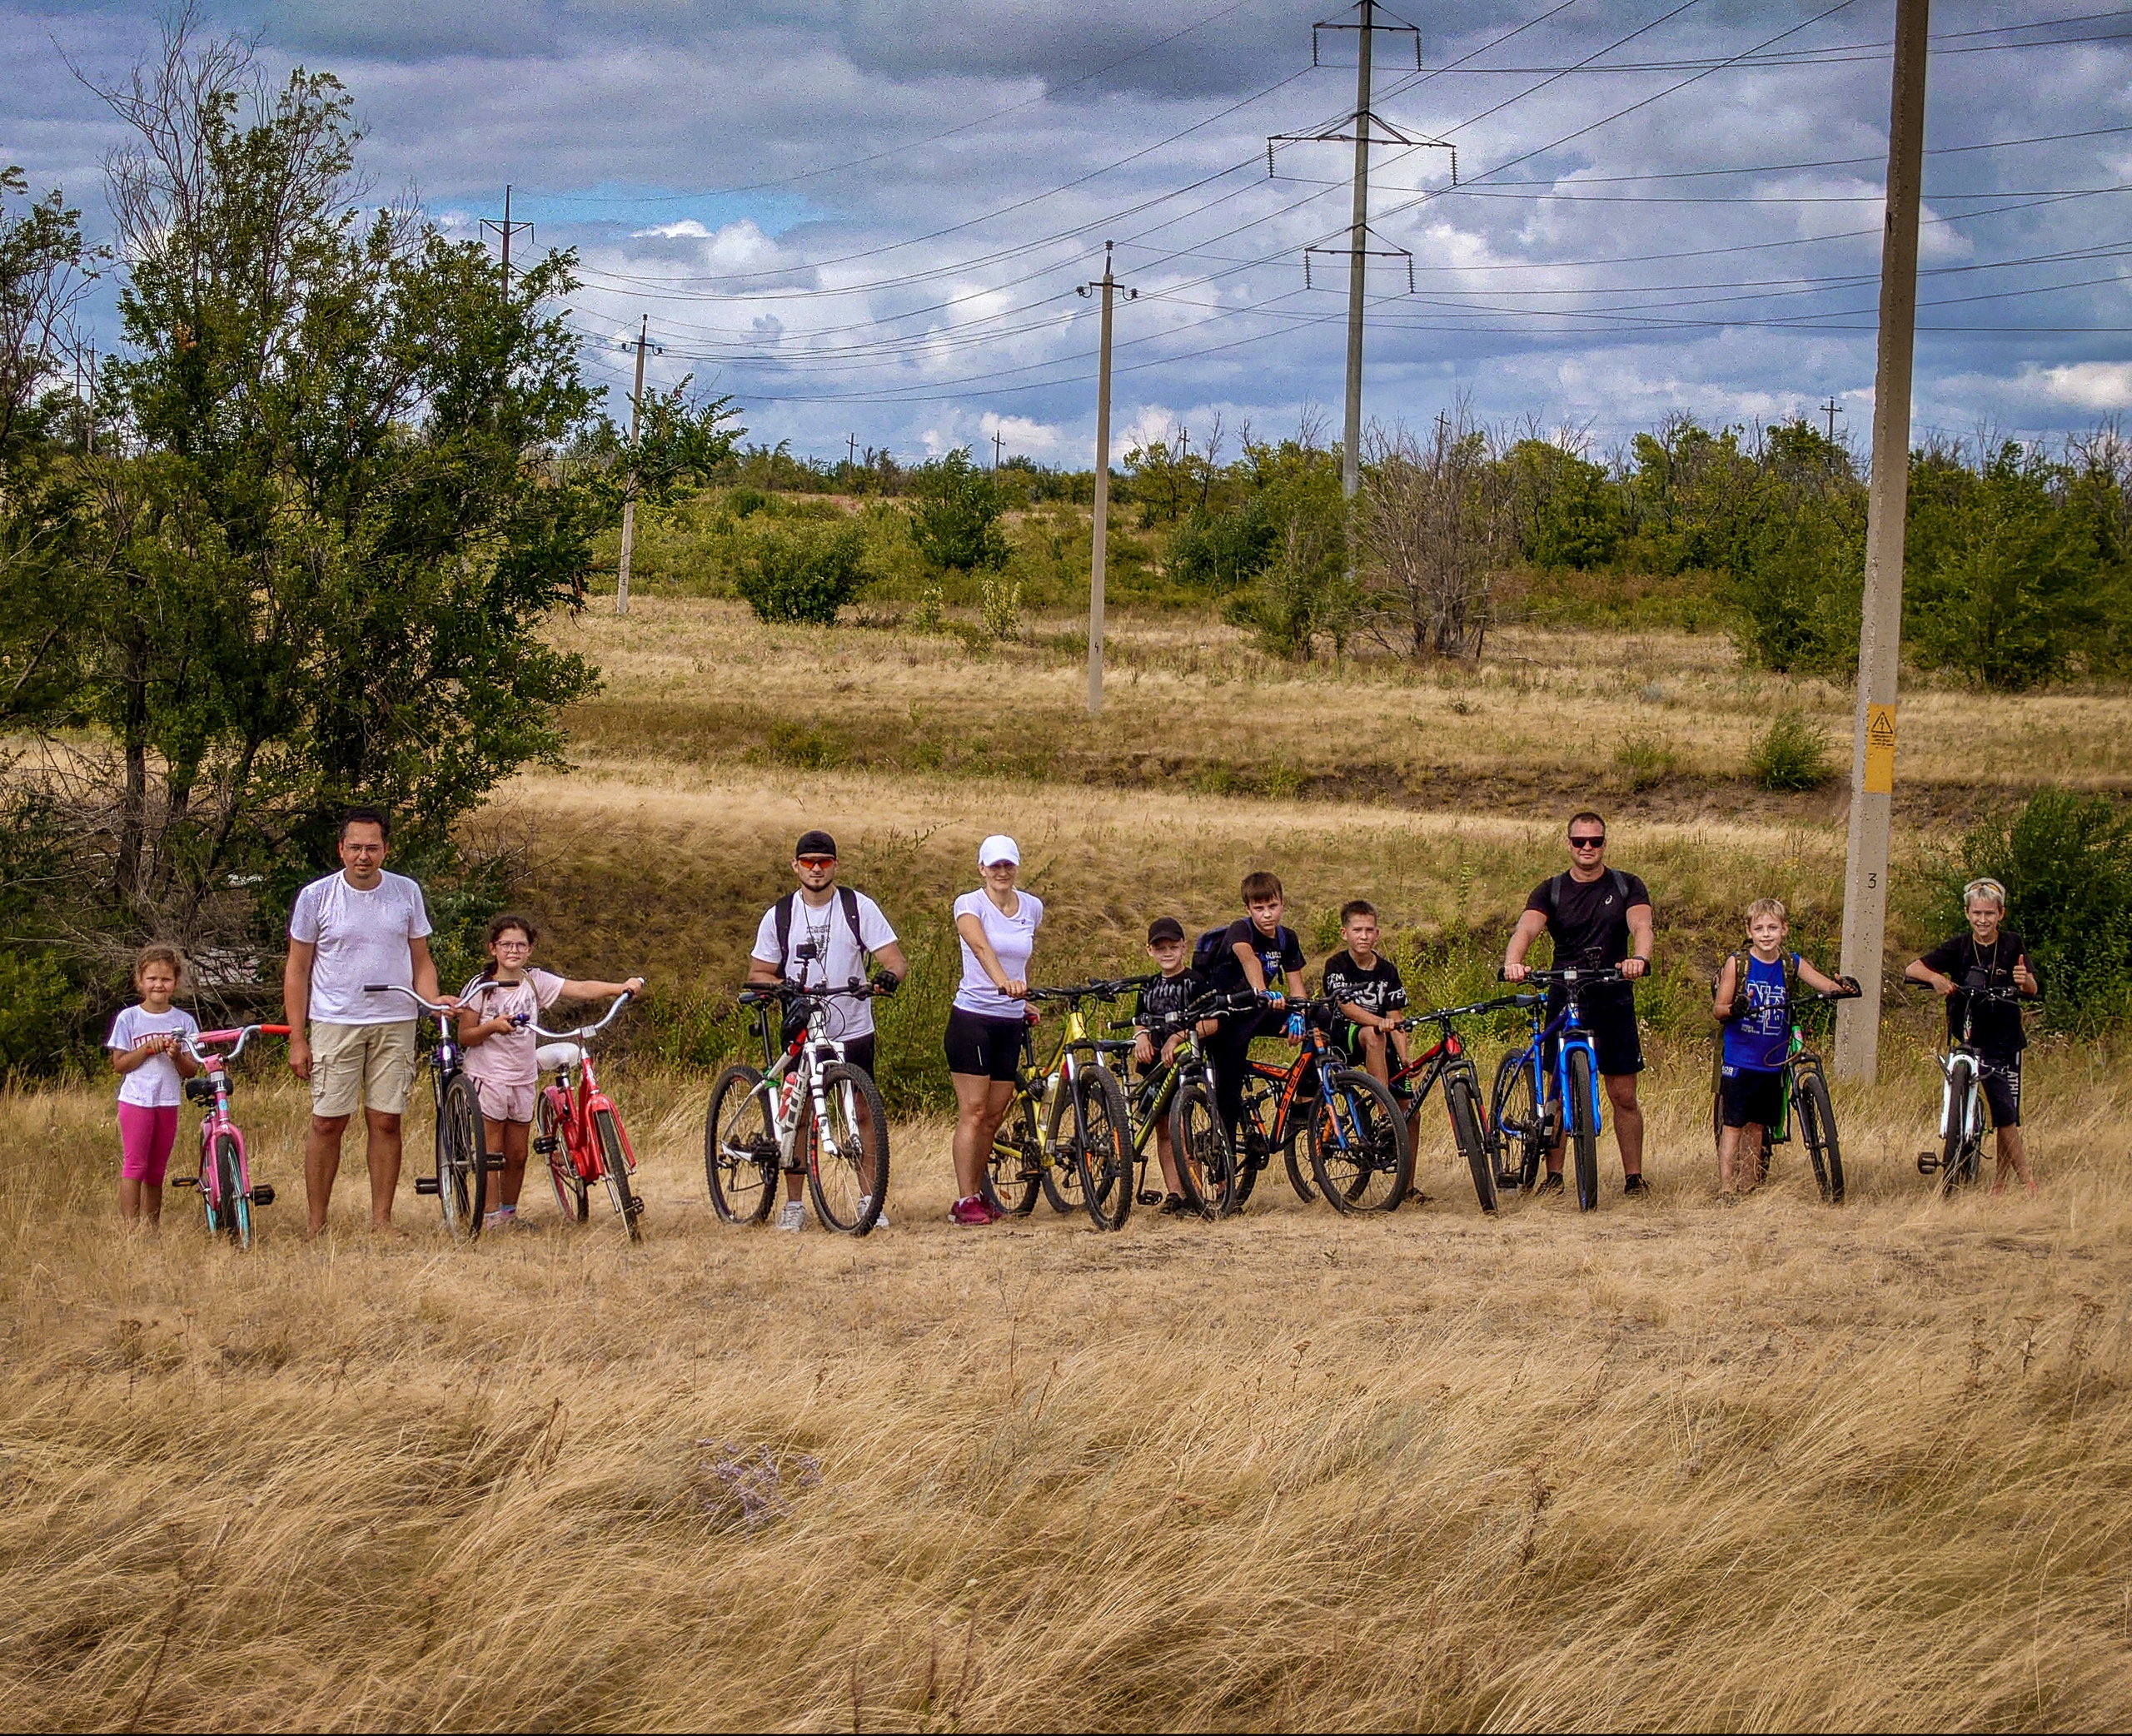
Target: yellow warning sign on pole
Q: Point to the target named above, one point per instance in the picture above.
(1879, 750)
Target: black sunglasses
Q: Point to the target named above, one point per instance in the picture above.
(1588, 843)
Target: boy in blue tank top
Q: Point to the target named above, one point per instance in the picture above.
(1753, 1000)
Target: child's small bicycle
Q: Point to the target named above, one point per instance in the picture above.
(1960, 1160)
(577, 1128)
(224, 1177)
(1533, 1104)
(799, 1111)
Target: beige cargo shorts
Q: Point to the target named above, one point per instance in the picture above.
(362, 1067)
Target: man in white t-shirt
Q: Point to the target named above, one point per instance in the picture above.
(820, 937)
(355, 927)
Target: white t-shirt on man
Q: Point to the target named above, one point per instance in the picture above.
(362, 937)
(837, 959)
(155, 1084)
(1014, 939)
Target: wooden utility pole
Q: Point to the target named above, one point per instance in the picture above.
(1834, 410)
(1107, 288)
(1351, 458)
(1880, 639)
(628, 492)
(996, 443)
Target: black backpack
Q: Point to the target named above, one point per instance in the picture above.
(846, 898)
(1209, 954)
(1555, 889)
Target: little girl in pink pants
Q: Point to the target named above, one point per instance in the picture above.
(147, 1049)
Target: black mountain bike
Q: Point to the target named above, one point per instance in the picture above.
(1180, 1091)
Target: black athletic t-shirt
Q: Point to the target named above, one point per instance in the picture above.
(1996, 1030)
(1164, 999)
(1589, 919)
(1377, 990)
(1283, 951)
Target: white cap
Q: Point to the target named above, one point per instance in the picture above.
(997, 848)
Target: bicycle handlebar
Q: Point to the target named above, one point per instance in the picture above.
(1105, 990)
(585, 1032)
(1572, 977)
(1444, 1015)
(440, 1008)
(243, 1034)
(765, 992)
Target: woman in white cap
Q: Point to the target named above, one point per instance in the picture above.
(998, 925)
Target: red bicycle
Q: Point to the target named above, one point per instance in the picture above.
(577, 1128)
(224, 1177)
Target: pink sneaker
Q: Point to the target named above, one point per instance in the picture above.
(972, 1211)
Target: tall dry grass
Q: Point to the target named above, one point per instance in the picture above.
(1780, 1466)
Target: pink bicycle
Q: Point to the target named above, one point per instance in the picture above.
(224, 1177)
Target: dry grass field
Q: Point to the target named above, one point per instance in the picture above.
(1776, 1466)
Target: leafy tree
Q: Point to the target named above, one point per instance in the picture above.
(954, 518)
(804, 572)
(1564, 509)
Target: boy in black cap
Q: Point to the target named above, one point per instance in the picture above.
(820, 937)
(1162, 1003)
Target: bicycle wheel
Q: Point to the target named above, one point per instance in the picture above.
(462, 1175)
(1957, 1150)
(617, 1161)
(1514, 1113)
(548, 1140)
(1462, 1100)
(847, 1171)
(739, 1148)
(1094, 1122)
(1817, 1127)
(1583, 1127)
(1061, 1178)
(1009, 1179)
(1358, 1149)
(236, 1212)
(1205, 1164)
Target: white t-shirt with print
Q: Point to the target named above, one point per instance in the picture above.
(1014, 939)
(836, 959)
(507, 1057)
(362, 938)
(155, 1084)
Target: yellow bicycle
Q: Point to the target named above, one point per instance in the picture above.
(1066, 1134)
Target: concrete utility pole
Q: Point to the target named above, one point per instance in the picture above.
(1107, 286)
(506, 229)
(629, 492)
(1880, 639)
(1350, 457)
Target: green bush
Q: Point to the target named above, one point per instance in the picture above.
(1221, 552)
(954, 520)
(1792, 753)
(1644, 762)
(804, 572)
(39, 1008)
(2065, 861)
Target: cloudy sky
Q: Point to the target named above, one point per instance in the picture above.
(868, 218)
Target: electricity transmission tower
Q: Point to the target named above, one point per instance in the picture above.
(506, 229)
(1366, 26)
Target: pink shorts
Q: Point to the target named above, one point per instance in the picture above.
(505, 1103)
(145, 1137)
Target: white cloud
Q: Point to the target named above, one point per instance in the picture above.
(1022, 433)
(2100, 386)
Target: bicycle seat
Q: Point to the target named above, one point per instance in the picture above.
(1116, 1045)
(201, 1089)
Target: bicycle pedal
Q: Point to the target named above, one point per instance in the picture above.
(263, 1195)
(426, 1185)
(1148, 1197)
(184, 1181)
(544, 1147)
(1927, 1162)
(491, 1162)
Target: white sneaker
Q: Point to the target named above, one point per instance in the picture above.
(880, 1222)
(793, 1216)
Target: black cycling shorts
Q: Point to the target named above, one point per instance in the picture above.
(858, 1052)
(1610, 1022)
(983, 1048)
(2001, 1080)
(1751, 1097)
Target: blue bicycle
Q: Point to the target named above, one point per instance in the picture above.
(1534, 1104)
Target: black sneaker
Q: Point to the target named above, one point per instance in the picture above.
(1549, 1184)
(1415, 1197)
(1636, 1188)
(1174, 1207)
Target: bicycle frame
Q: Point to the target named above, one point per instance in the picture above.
(575, 1102)
(217, 1124)
(798, 1067)
(1285, 1079)
(1564, 1030)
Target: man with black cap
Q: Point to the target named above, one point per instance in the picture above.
(820, 937)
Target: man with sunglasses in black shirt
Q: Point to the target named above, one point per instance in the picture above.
(1597, 915)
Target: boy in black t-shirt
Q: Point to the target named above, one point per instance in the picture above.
(1597, 915)
(1366, 986)
(1989, 956)
(1158, 1017)
(1260, 954)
